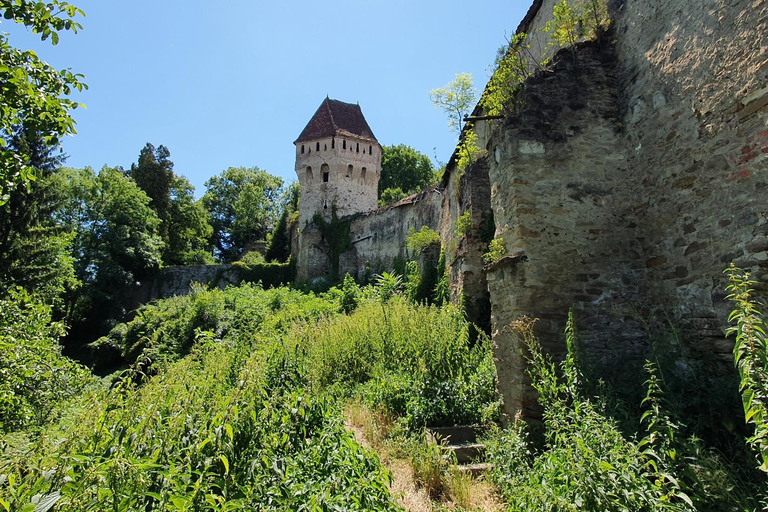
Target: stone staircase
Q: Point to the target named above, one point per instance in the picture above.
(462, 441)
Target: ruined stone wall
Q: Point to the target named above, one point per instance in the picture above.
(561, 199)
(627, 181)
(177, 280)
(694, 84)
(378, 238)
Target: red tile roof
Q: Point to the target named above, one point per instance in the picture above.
(336, 118)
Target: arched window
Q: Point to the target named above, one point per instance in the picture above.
(357, 147)
(349, 171)
(370, 150)
(302, 149)
(362, 176)
(344, 145)
(309, 173)
(317, 148)
(326, 172)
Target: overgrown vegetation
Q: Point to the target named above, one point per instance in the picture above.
(233, 401)
(750, 355)
(589, 462)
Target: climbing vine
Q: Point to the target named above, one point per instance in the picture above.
(336, 233)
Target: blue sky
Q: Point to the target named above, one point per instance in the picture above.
(233, 83)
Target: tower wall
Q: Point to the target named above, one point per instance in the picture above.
(343, 171)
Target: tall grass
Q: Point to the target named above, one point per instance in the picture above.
(414, 360)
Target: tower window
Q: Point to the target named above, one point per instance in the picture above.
(333, 143)
(309, 173)
(349, 171)
(362, 175)
(325, 147)
(357, 147)
(370, 150)
(302, 149)
(344, 145)
(326, 172)
(317, 148)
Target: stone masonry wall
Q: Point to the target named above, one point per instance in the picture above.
(562, 203)
(628, 181)
(694, 82)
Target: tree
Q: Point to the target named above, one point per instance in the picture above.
(189, 231)
(242, 203)
(34, 251)
(279, 246)
(33, 95)
(154, 175)
(116, 241)
(456, 99)
(405, 168)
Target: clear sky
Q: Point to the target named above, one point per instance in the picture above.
(233, 83)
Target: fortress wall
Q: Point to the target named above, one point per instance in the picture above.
(561, 199)
(379, 237)
(694, 83)
(625, 185)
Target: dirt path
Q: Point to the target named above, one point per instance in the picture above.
(411, 496)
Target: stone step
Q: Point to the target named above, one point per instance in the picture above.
(466, 434)
(476, 469)
(467, 452)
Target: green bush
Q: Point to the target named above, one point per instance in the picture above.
(415, 360)
(35, 379)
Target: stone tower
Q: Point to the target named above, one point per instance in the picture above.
(338, 161)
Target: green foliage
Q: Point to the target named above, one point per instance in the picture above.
(188, 230)
(750, 355)
(391, 196)
(414, 360)
(468, 152)
(243, 206)
(403, 168)
(34, 94)
(442, 286)
(588, 463)
(154, 175)
(455, 99)
(336, 233)
(349, 295)
(116, 238)
(268, 274)
(463, 225)
(41, 263)
(168, 329)
(570, 23)
(511, 68)
(496, 250)
(219, 430)
(417, 241)
(35, 378)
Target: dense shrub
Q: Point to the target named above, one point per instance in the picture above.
(34, 377)
(415, 360)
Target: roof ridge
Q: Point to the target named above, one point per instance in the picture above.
(330, 113)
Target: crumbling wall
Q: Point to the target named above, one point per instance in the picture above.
(378, 238)
(561, 199)
(627, 180)
(694, 84)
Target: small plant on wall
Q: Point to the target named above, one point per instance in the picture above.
(496, 250)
